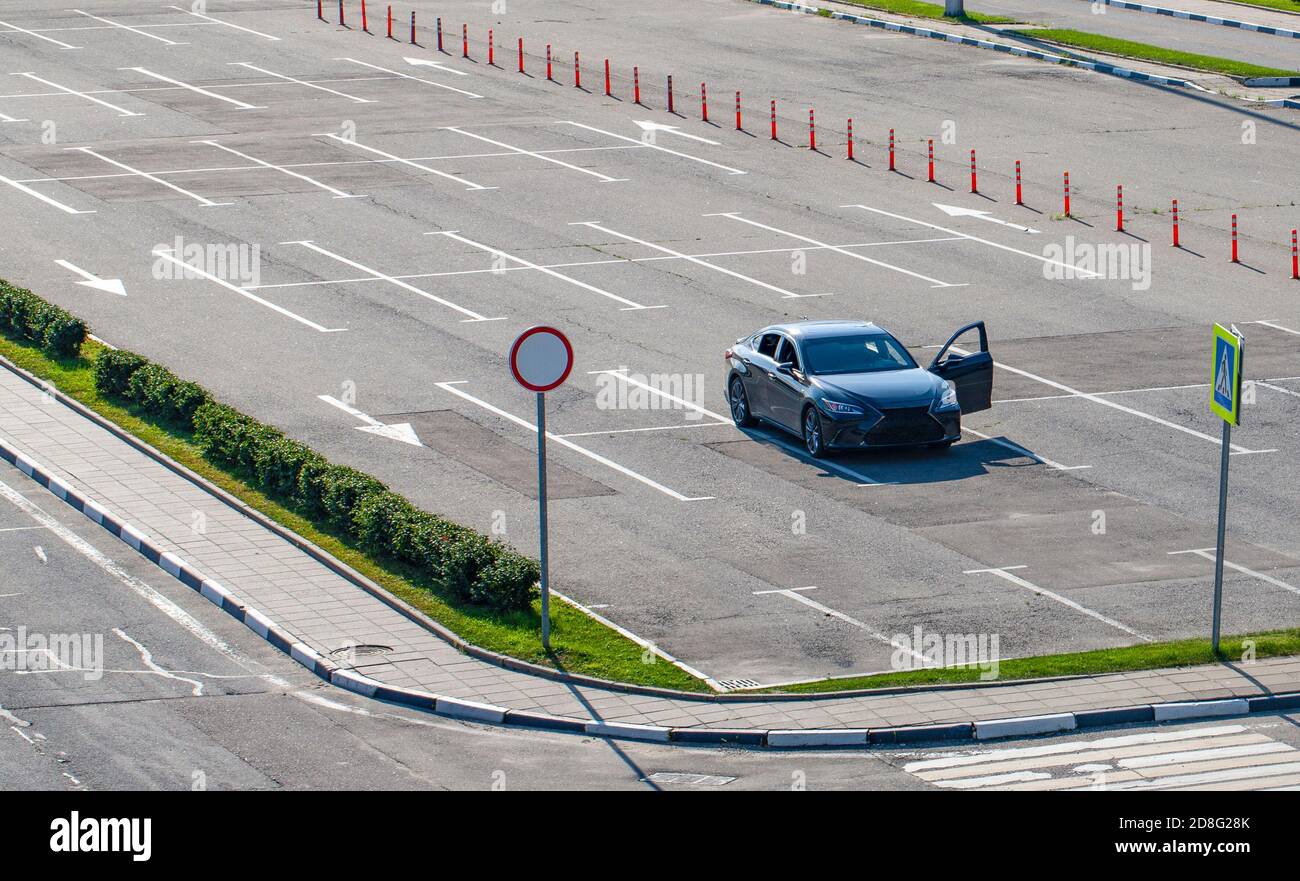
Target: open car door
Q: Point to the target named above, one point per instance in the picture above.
(971, 372)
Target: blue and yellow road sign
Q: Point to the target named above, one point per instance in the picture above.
(1225, 390)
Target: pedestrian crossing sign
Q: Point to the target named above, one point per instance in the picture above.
(1225, 390)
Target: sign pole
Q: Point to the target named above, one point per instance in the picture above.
(541, 520)
(1223, 526)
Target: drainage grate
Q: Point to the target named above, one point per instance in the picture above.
(674, 778)
(733, 684)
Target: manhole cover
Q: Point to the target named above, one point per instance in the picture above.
(360, 651)
(675, 778)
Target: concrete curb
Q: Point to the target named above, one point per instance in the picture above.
(458, 708)
(1208, 19)
(1112, 70)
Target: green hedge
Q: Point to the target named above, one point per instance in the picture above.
(473, 568)
(23, 313)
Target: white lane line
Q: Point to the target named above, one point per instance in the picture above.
(170, 257)
(129, 28)
(199, 91)
(1234, 774)
(338, 194)
(1005, 573)
(1078, 269)
(205, 202)
(407, 76)
(1016, 448)
(1209, 554)
(604, 178)
(697, 261)
(1278, 388)
(473, 316)
(843, 470)
(1116, 406)
(212, 20)
(628, 304)
(589, 128)
(639, 430)
(44, 198)
(796, 594)
(1136, 391)
(68, 91)
(4, 117)
(290, 79)
(1208, 754)
(934, 282)
(470, 185)
(596, 457)
(13, 28)
(1276, 326)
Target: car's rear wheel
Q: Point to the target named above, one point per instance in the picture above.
(813, 438)
(740, 412)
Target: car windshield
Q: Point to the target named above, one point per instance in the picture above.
(859, 353)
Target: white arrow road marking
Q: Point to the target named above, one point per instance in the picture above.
(955, 211)
(111, 285)
(647, 125)
(401, 431)
(794, 594)
(1005, 573)
(424, 62)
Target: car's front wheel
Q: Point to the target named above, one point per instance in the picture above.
(813, 438)
(740, 412)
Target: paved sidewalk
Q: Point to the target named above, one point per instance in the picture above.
(329, 613)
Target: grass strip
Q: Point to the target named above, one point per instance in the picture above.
(920, 9)
(579, 643)
(1147, 52)
(1147, 656)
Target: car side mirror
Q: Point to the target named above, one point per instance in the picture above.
(786, 367)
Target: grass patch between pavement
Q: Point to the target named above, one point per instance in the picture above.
(1148, 656)
(580, 644)
(920, 9)
(1284, 5)
(1147, 52)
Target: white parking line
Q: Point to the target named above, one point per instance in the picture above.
(1278, 388)
(206, 203)
(639, 430)
(15, 29)
(169, 256)
(596, 457)
(604, 178)
(1116, 406)
(408, 162)
(1077, 269)
(856, 256)
(407, 76)
(473, 316)
(1208, 554)
(652, 146)
(1016, 448)
(129, 28)
(1277, 326)
(212, 20)
(628, 304)
(198, 91)
(1005, 573)
(290, 79)
(338, 194)
(697, 261)
(796, 594)
(44, 198)
(4, 117)
(88, 97)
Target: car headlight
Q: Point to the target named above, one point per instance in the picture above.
(842, 409)
(948, 398)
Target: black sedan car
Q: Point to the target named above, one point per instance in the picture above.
(850, 385)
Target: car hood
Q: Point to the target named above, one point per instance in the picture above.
(913, 387)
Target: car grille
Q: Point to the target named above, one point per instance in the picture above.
(906, 425)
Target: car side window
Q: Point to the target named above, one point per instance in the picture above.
(788, 354)
(767, 344)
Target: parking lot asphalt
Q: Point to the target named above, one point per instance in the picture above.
(410, 220)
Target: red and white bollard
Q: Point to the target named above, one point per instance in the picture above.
(1295, 256)
(464, 39)
(412, 28)
(974, 186)
(609, 90)
(439, 33)
(672, 107)
(320, 9)
(365, 21)
(341, 21)
(390, 21)
(577, 71)
(704, 102)
(521, 54)
(774, 119)
(1176, 244)
(549, 70)
(930, 174)
(1234, 239)
(1119, 208)
(739, 125)
(636, 84)
(850, 139)
(812, 132)
(891, 150)
(1019, 194)
(492, 49)
(1067, 194)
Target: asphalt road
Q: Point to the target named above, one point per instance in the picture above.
(678, 526)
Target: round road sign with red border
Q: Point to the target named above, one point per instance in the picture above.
(541, 359)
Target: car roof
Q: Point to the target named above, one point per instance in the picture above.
(825, 328)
